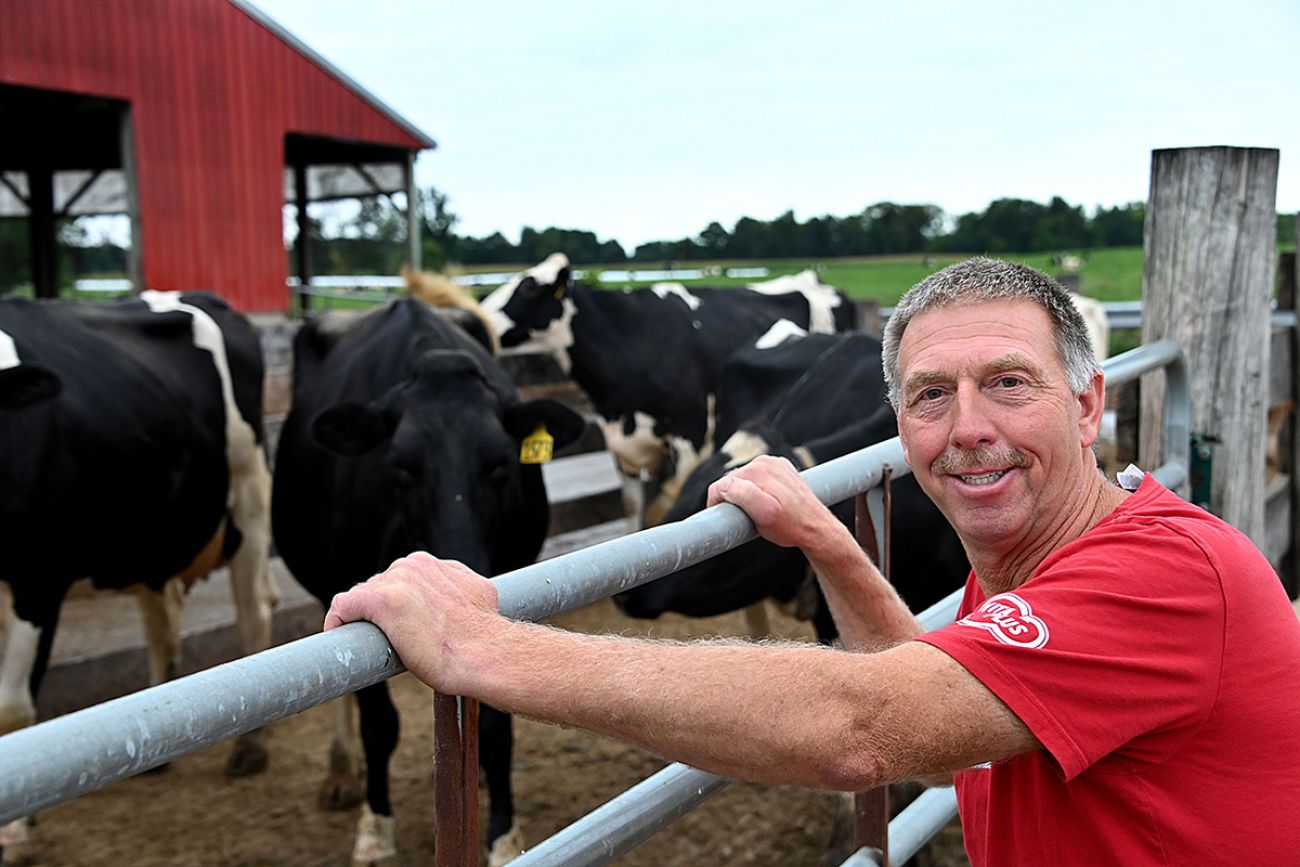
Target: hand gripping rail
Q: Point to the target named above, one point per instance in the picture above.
(81, 752)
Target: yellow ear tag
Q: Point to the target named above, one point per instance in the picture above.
(537, 447)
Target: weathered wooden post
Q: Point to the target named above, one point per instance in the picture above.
(1210, 242)
(1286, 300)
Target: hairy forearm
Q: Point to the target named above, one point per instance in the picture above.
(736, 709)
(867, 610)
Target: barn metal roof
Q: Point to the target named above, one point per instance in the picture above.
(303, 48)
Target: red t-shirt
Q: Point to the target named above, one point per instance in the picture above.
(1157, 659)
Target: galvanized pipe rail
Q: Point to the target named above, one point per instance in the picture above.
(81, 752)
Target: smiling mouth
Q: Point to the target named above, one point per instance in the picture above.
(982, 478)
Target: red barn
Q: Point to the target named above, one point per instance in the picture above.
(200, 119)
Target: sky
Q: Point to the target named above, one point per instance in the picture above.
(647, 121)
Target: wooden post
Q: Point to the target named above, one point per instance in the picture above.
(42, 231)
(414, 253)
(1286, 300)
(1210, 243)
(135, 252)
(455, 781)
(302, 247)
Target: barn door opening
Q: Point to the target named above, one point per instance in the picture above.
(325, 181)
(69, 220)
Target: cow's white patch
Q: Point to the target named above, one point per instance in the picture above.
(822, 299)
(556, 339)
(8, 352)
(249, 496)
(742, 447)
(1010, 620)
(17, 706)
(376, 841)
(663, 290)
(782, 330)
(544, 274)
(548, 271)
(642, 449)
(1097, 323)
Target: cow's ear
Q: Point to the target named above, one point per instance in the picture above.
(27, 385)
(562, 423)
(351, 429)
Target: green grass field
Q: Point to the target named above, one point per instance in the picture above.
(1113, 274)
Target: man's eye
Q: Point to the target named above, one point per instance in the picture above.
(1009, 381)
(932, 394)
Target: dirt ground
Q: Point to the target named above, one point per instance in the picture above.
(190, 814)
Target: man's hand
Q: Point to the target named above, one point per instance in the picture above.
(429, 609)
(777, 499)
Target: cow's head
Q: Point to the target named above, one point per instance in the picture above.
(27, 385)
(533, 310)
(450, 436)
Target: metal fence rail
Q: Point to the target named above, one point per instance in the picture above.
(81, 752)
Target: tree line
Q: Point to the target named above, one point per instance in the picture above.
(372, 240)
(1006, 225)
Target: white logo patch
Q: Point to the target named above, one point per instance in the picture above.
(1010, 620)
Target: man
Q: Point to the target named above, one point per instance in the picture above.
(1123, 684)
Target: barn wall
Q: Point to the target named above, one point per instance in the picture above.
(212, 95)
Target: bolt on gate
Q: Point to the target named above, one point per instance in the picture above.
(82, 752)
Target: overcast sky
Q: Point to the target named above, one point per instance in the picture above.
(647, 121)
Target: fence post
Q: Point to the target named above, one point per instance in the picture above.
(455, 781)
(1210, 241)
(871, 808)
(1286, 300)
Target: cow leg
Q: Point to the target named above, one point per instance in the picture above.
(505, 839)
(162, 613)
(344, 786)
(253, 588)
(26, 656)
(376, 841)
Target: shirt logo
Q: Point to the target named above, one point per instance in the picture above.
(1010, 620)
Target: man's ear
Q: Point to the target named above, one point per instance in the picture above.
(351, 429)
(1091, 405)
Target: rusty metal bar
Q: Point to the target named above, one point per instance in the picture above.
(455, 781)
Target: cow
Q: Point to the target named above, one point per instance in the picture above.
(131, 454)
(812, 398)
(405, 435)
(650, 358)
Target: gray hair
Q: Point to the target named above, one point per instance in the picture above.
(981, 279)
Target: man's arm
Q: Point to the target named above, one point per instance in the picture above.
(791, 714)
(867, 610)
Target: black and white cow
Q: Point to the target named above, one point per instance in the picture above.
(130, 453)
(405, 435)
(812, 398)
(650, 358)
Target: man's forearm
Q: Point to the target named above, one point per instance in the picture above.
(704, 705)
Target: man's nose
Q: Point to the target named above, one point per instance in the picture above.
(972, 424)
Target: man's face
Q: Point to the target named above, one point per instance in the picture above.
(989, 424)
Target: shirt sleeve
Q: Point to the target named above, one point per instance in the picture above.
(1112, 650)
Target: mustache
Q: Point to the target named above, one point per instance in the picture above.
(964, 461)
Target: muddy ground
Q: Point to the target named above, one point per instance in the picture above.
(190, 814)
